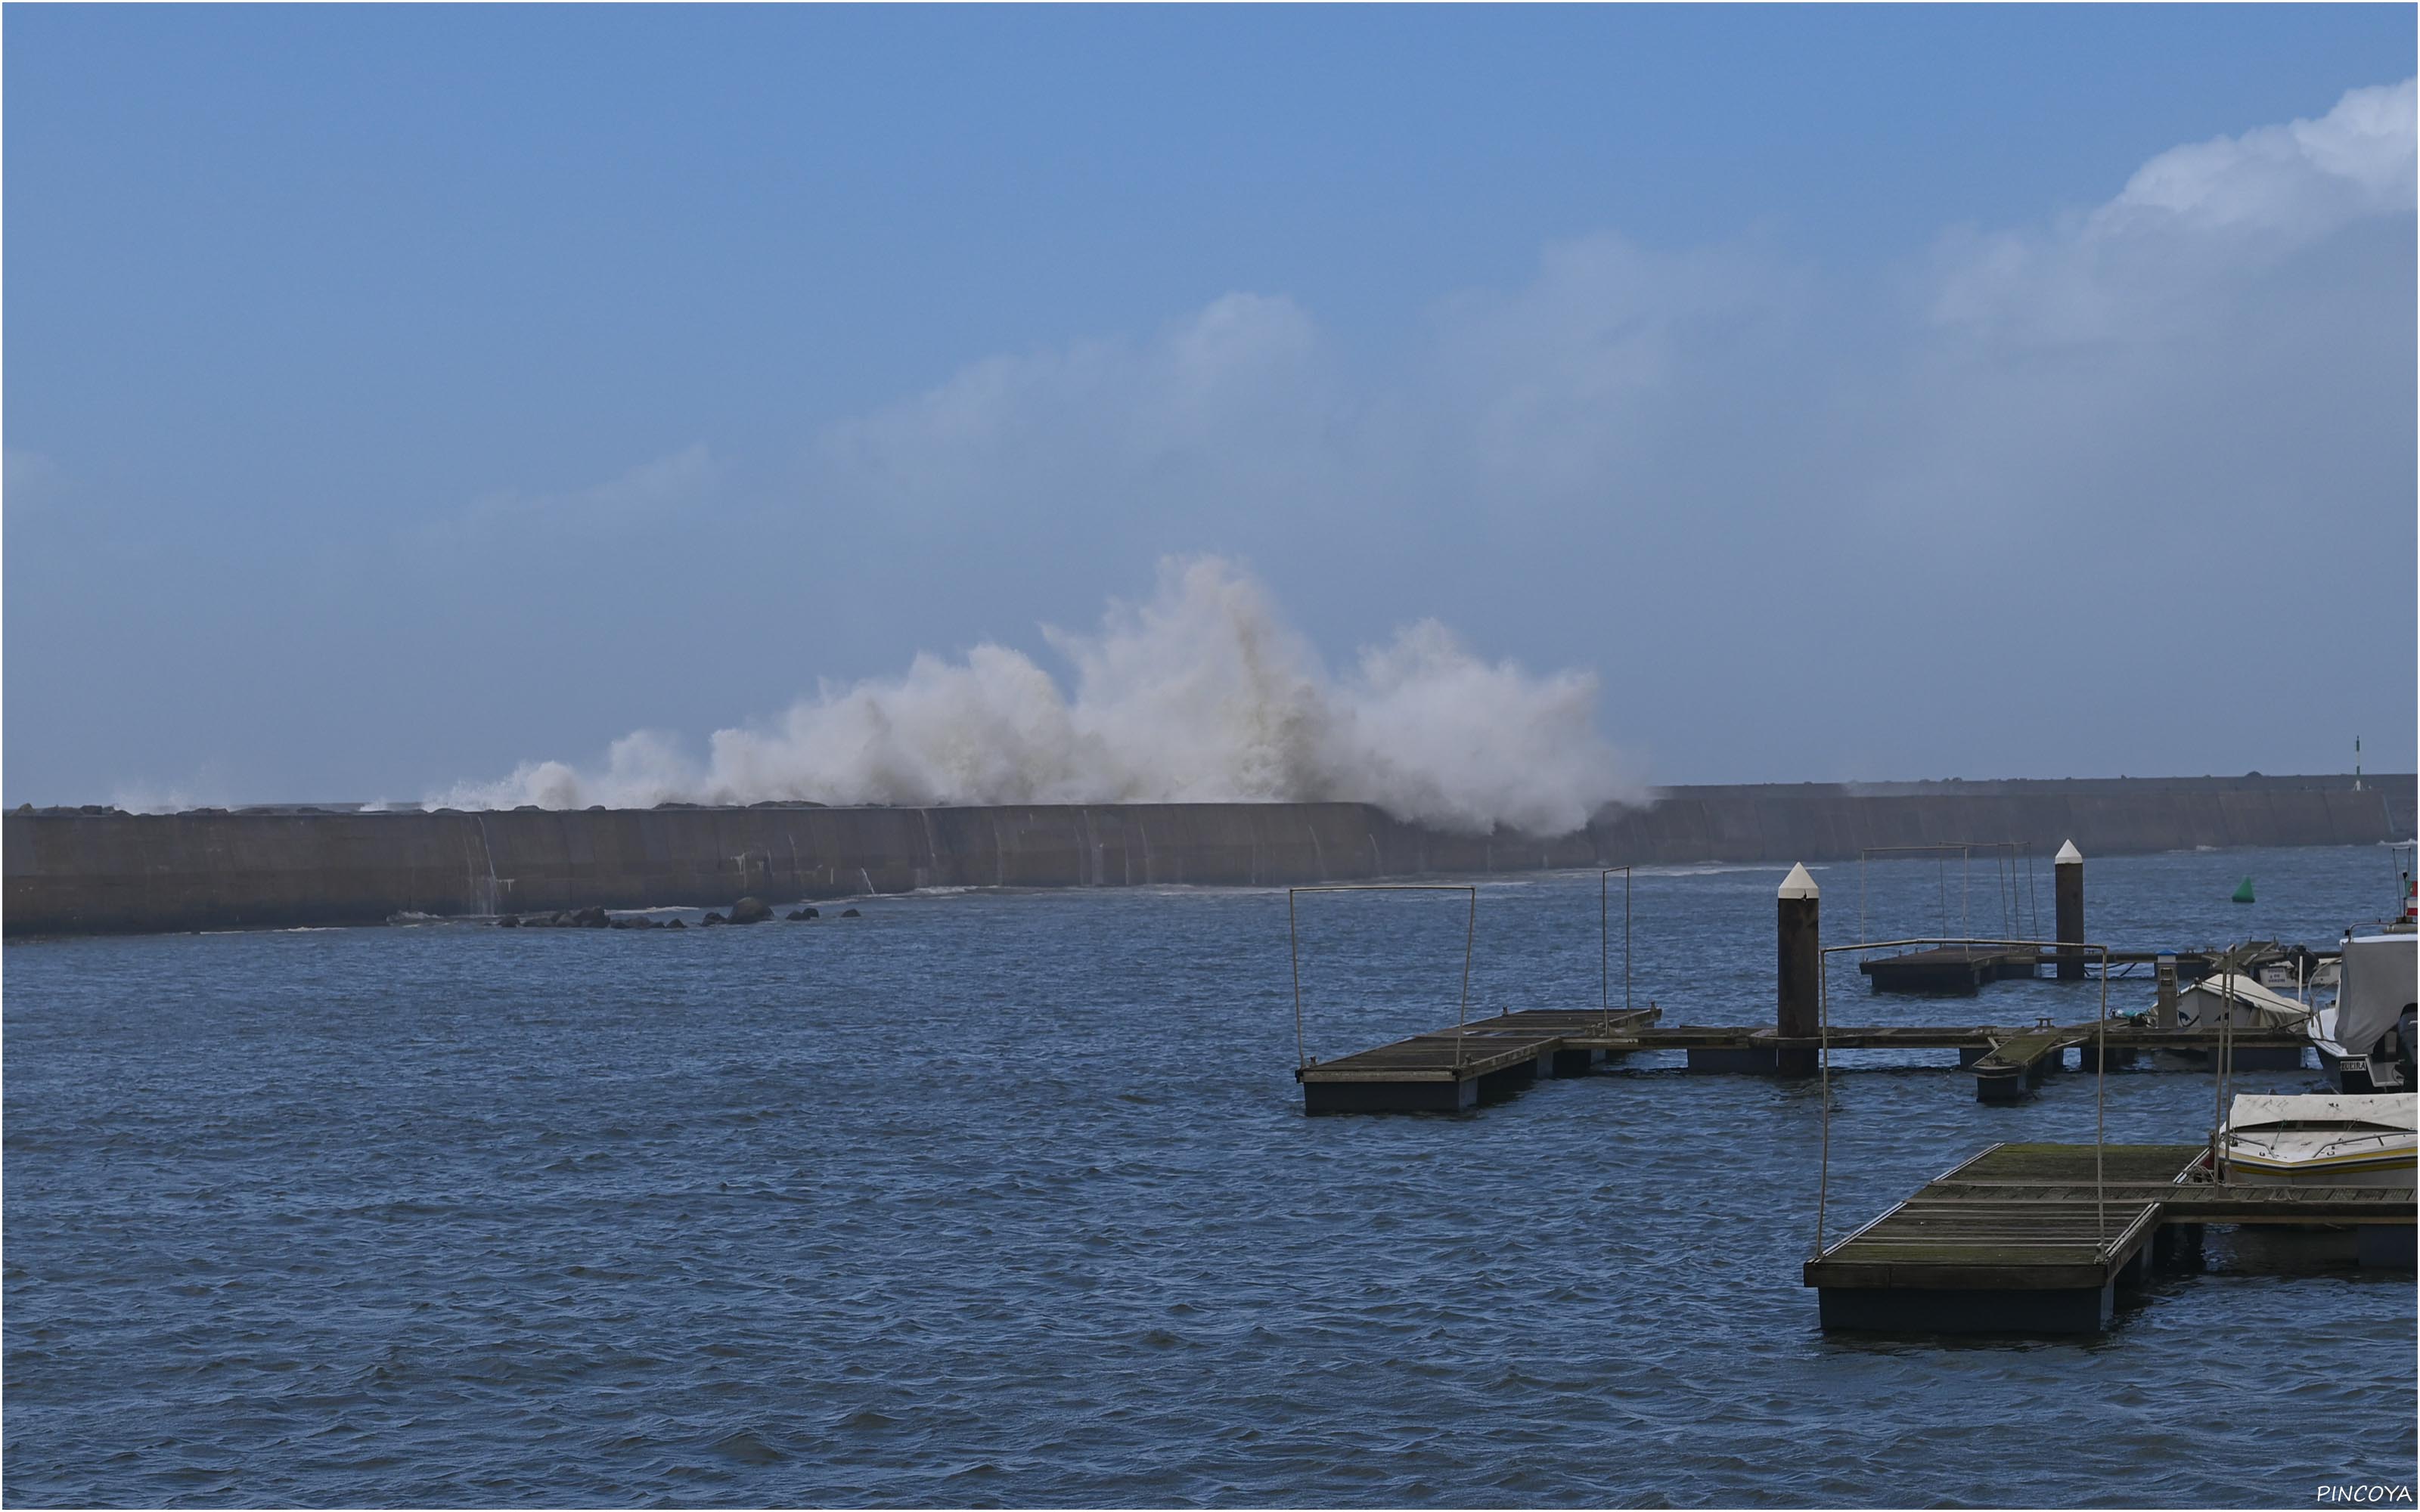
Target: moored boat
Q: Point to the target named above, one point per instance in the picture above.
(2232, 998)
(2320, 1139)
(2366, 1036)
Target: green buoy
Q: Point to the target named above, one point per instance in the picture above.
(2244, 892)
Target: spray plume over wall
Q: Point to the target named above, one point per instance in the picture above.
(1203, 694)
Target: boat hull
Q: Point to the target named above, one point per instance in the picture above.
(2382, 1173)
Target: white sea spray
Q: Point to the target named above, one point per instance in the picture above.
(1202, 693)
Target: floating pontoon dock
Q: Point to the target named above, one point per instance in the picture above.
(2038, 1238)
(2020, 1239)
(1453, 1069)
(1460, 1066)
(1960, 971)
(1949, 970)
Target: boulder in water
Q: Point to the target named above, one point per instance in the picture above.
(751, 911)
(676, 924)
(591, 918)
(711, 920)
(850, 913)
(509, 921)
(799, 916)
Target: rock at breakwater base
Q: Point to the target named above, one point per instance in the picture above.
(799, 916)
(750, 911)
(559, 918)
(850, 913)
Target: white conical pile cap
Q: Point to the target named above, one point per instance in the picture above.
(1798, 884)
(2068, 856)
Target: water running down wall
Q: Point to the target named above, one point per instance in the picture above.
(87, 873)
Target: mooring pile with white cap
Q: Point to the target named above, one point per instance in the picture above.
(2068, 899)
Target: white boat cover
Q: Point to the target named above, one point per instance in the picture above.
(2205, 1002)
(2324, 1031)
(2383, 1110)
(2380, 971)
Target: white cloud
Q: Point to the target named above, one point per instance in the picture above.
(2190, 221)
(1552, 387)
(2301, 179)
(654, 491)
(1092, 416)
(1528, 394)
(651, 490)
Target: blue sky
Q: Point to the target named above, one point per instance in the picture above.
(397, 396)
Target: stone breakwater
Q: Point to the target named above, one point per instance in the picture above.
(101, 871)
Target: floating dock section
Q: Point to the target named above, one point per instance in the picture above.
(1963, 970)
(1949, 970)
(2041, 1238)
(1455, 1069)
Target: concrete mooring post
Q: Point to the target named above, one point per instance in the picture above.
(1799, 982)
(2068, 891)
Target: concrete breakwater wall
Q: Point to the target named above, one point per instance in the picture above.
(103, 871)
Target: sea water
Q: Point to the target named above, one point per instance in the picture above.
(1009, 1197)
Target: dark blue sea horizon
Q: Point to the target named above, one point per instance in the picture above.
(1007, 1198)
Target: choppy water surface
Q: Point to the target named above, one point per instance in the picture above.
(1008, 1199)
